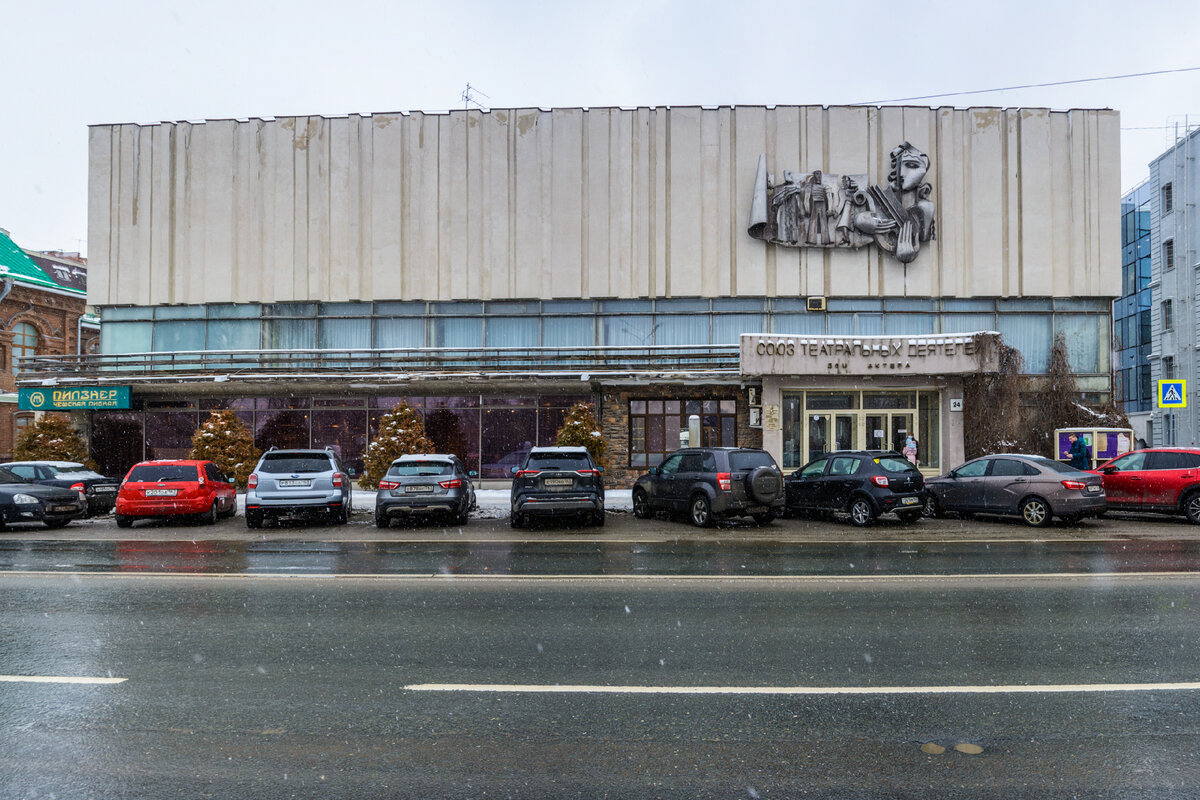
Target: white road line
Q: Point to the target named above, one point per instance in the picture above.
(57, 679)
(498, 688)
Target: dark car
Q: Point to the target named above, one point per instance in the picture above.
(418, 485)
(1034, 488)
(191, 488)
(99, 491)
(861, 483)
(1162, 480)
(557, 482)
(708, 483)
(22, 500)
(294, 483)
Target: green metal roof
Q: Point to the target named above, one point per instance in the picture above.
(20, 267)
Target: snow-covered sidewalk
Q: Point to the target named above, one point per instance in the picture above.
(492, 503)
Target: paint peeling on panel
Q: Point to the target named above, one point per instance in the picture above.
(526, 123)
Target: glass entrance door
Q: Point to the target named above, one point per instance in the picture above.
(887, 431)
(828, 432)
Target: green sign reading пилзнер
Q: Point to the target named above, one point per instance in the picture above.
(84, 397)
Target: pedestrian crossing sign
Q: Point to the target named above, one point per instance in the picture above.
(1172, 393)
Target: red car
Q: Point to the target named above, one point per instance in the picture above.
(1162, 480)
(174, 488)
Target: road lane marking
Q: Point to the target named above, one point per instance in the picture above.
(517, 688)
(57, 679)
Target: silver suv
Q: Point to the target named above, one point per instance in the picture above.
(289, 483)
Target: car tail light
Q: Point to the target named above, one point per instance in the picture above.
(386, 484)
(337, 480)
(589, 472)
(252, 482)
(451, 484)
(525, 472)
(79, 487)
(1074, 484)
(880, 480)
(725, 481)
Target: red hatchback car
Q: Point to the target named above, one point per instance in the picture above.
(1162, 480)
(174, 488)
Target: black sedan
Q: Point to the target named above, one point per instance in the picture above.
(100, 491)
(25, 501)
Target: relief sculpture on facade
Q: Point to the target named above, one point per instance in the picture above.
(818, 209)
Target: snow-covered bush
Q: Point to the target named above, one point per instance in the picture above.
(227, 442)
(401, 432)
(580, 429)
(51, 438)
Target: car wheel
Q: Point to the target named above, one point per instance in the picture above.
(641, 505)
(382, 520)
(933, 509)
(516, 520)
(766, 518)
(598, 519)
(910, 516)
(210, 517)
(253, 520)
(861, 512)
(124, 521)
(1191, 508)
(700, 511)
(1035, 512)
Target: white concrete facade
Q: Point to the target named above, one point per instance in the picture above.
(586, 203)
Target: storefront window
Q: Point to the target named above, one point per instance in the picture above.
(169, 434)
(929, 425)
(282, 429)
(659, 427)
(455, 431)
(117, 438)
(507, 436)
(346, 432)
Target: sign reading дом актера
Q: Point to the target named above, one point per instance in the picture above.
(79, 398)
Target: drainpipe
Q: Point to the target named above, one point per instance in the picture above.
(78, 334)
(8, 284)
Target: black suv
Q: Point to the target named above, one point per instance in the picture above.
(557, 482)
(712, 482)
(862, 483)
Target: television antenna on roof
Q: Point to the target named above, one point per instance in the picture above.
(469, 96)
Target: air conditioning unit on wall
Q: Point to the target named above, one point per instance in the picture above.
(816, 304)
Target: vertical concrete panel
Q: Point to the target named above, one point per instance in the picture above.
(748, 141)
(1105, 158)
(783, 140)
(660, 204)
(1030, 166)
(341, 268)
(717, 222)
(598, 216)
(475, 206)
(244, 244)
(157, 198)
(950, 196)
(621, 204)
(495, 257)
(642, 253)
(566, 204)
(1060, 252)
(316, 271)
(387, 189)
(530, 262)
(102, 268)
(422, 238)
(985, 201)
(685, 201)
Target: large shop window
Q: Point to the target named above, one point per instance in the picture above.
(659, 427)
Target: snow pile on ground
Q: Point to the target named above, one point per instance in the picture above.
(491, 503)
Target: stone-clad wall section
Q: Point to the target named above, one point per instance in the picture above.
(568, 203)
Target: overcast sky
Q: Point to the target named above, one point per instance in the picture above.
(67, 65)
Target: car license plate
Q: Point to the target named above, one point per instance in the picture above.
(559, 482)
(908, 501)
(63, 509)
(161, 492)
(417, 489)
(1092, 487)
(99, 489)
(293, 484)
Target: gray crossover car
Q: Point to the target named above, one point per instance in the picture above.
(417, 485)
(298, 483)
(1032, 487)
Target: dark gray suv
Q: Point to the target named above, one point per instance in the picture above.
(557, 482)
(708, 483)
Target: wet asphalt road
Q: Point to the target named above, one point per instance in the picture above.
(256, 687)
(347, 662)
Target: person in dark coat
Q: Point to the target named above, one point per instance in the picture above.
(1078, 454)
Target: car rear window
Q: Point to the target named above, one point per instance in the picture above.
(421, 468)
(746, 460)
(569, 461)
(1054, 466)
(149, 473)
(293, 463)
(896, 465)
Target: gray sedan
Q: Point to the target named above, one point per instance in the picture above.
(1031, 487)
